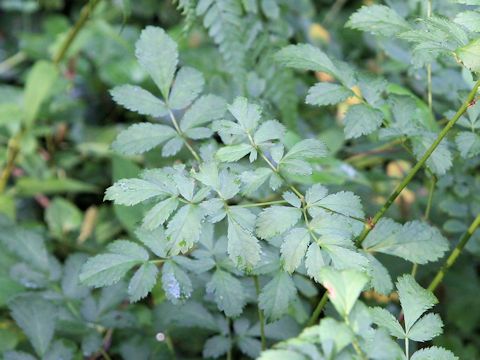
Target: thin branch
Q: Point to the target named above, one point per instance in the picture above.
(182, 135)
(318, 310)
(454, 254)
(371, 224)
(261, 318)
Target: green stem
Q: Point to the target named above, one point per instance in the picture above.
(407, 350)
(72, 34)
(266, 203)
(454, 254)
(260, 314)
(182, 135)
(371, 223)
(318, 310)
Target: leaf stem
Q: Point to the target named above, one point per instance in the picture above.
(182, 135)
(454, 254)
(396, 192)
(72, 34)
(263, 203)
(318, 310)
(261, 318)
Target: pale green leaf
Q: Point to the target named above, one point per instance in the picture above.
(243, 248)
(433, 353)
(441, 158)
(315, 260)
(343, 287)
(36, 317)
(184, 228)
(415, 300)
(378, 20)
(277, 295)
(142, 137)
(134, 98)
(380, 278)
(361, 120)
(233, 152)
(468, 143)
(158, 214)
(269, 130)
(344, 203)
(322, 94)
(275, 220)
(247, 114)
(385, 319)
(294, 247)
(469, 55)
(204, 110)
(175, 283)
(186, 87)
(216, 346)
(469, 19)
(281, 355)
(158, 54)
(292, 199)
(132, 191)
(228, 292)
(426, 328)
(142, 282)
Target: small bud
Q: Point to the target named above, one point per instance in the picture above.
(160, 337)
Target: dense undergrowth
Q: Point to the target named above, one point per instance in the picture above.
(273, 179)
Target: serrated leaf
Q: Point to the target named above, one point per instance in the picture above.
(469, 19)
(216, 346)
(280, 355)
(314, 194)
(306, 57)
(233, 152)
(322, 94)
(315, 261)
(306, 149)
(277, 295)
(415, 300)
(175, 282)
(172, 146)
(426, 328)
(275, 220)
(71, 286)
(184, 228)
(247, 114)
(158, 214)
(361, 120)
(433, 353)
(385, 319)
(134, 98)
(344, 203)
(414, 241)
(37, 318)
(132, 191)
(269, 130)
(142, 137)
(158, 55)
(343, 287)
(204, 110)
(155, 240)
(378, 20)
(228, 292)
(292, 199)
(441, 158)
(294, 247)
(186, 87)
(142, 282)
(243, 248)
(469, 55)
(380, 278)
(468, 143)
(108, 269)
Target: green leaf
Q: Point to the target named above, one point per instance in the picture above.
(281, 355)
(142, 137)
(38, 87)
(361, 119)
(294, 247)
(158, 214)
(415, 241)
(469, 55)
(216, 346)
(380, 278)
(247, 114)
(344, 203)
(206, 109)
(277, 295)
(322, 94)
(468, 143)
(228, 292)
(295, 161)
(385, 319)
(269, 130)
(108, 269)
(433, 353)
(134, 98)
(315, 261)
(306, 57)
(378, 20)
(233, 152)
(426, 328)
(243, 248)
(440, 160)
(158, 54)
(132, 191)
(62, 217)
(415, 300)
(275, 220)
(71, 286)
(186, 87)
(184, 228)
(142, 282)
(37, 318)
(469, 19)
(175, 282)
(343, 287)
